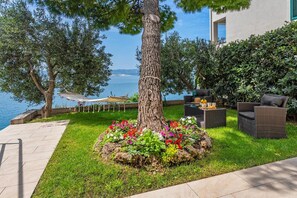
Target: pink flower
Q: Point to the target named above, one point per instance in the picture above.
(163, 133)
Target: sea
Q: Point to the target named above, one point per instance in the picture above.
(118, 85)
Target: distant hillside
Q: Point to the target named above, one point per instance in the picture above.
(133, 72)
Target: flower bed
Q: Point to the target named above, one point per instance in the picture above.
(179, 141)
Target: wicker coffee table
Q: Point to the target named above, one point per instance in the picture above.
(207, 118)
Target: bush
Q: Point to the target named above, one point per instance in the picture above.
(261, 64)
(134, 98)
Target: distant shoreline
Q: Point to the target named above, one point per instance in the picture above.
(125, 72)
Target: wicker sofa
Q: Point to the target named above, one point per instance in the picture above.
(263, 120)
(199, 93)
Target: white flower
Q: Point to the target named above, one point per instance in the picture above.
(160, 137)
(111, 135)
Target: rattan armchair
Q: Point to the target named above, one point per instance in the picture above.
(263, 121)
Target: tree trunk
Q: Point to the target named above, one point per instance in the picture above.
(150, 108)
(48, 96)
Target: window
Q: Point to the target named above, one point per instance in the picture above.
(222, 32)
(219, 31)
(293, 9)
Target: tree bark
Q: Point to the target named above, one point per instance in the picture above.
(48, 95)
(150, 107)
(48, 104)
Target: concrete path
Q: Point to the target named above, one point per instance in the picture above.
(277, 180)
(25, 150)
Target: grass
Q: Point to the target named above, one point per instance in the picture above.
(76, 171)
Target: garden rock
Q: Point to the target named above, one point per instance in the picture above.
(183, 156)
(208, 141)
(109, 148)
(123, 157)
(193, 151)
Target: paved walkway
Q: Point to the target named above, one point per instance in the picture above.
(25, 150)
(277, 180)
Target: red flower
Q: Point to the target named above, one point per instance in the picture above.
(168, 142)
(111, 127)
(179, 146)
(125, 135)
(180, 135)
(173, 124)
(177, 141)
(124, 122)
(132, 132)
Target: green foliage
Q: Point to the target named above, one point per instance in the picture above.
(134, 98)
(261, 64)
(41, 46)
(113, 137)
(148, 144)
(127, 15)
(176, 64)
(169, 154)
(188, 121)
(185, 63)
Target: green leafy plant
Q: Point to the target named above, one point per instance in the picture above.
(169, 154)
(190, 120)
(148, 143)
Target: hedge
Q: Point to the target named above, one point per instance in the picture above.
(247, 69)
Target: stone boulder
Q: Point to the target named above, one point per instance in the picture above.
(108, 149)
(123, 157)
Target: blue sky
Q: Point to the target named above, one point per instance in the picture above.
(123, 47)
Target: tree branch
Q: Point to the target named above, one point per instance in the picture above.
(186, 82)
(51, 75)
(34, 78)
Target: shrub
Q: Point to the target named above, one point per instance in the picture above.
(261, 64)
(134, 98)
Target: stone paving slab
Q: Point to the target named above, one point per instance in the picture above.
(25, 150)
(181, 190)
(278, 179)
(218, 186)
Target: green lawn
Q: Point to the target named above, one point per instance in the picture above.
(76, 171)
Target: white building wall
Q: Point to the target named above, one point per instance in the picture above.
(260, 17)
